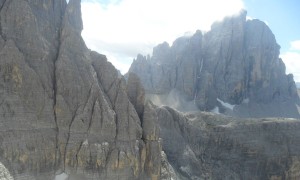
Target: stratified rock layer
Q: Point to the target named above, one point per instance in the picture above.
(206, 146)
(63, 108)
(236, 62)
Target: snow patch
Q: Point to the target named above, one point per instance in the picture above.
(85, 142)
(136, 147)
(225, 104)
(62, 176)
(215, 110)
(185, 169)
(105, 143)
(201, 66)
(4, 173)
(174, 99)
(102, 145)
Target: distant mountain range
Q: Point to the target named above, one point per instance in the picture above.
(234, 69)
(298, 85)
(237, 63)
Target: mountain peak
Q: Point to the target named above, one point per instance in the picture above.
(236, 60)
(64, 109)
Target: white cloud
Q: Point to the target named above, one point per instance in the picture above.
(252, 18)
(295, 45)
(120, 62)
(291, 59)
(292, 63)
(249, 18)
(128, 27)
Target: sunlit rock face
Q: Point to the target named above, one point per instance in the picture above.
(237, 61)
(64, 110)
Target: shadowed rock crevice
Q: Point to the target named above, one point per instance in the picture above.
(54, 85)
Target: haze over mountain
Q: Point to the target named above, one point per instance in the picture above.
(142, 29)
(67, 113)
(234, 68)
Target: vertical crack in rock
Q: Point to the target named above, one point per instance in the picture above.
(114, 107)
(128, 119)
(92, 114)
(54, 85)
(69, 134)
(2, 5)
(77, 152)
(1, 32)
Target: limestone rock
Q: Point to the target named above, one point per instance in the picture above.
(237, 62)
(202, 145)
(64, 109)
(167, 171)
(151, 138)
(136, 93)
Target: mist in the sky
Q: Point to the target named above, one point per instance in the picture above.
(174, 99)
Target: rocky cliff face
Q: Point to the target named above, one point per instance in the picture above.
(207, 146)
(237, 62)
(63, 108)
(65, 112)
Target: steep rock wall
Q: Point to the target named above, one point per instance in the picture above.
(236, 62)
(63, 108)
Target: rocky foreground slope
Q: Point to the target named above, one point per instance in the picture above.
(66, 113)
(202, 145)
(236, 63)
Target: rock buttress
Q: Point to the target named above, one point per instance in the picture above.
(63, 107)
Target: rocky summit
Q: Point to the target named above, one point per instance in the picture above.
(67, 113)
(64, 110)
(233, 69)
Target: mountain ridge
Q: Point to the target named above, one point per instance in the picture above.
(236, 62)
(65, 112)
